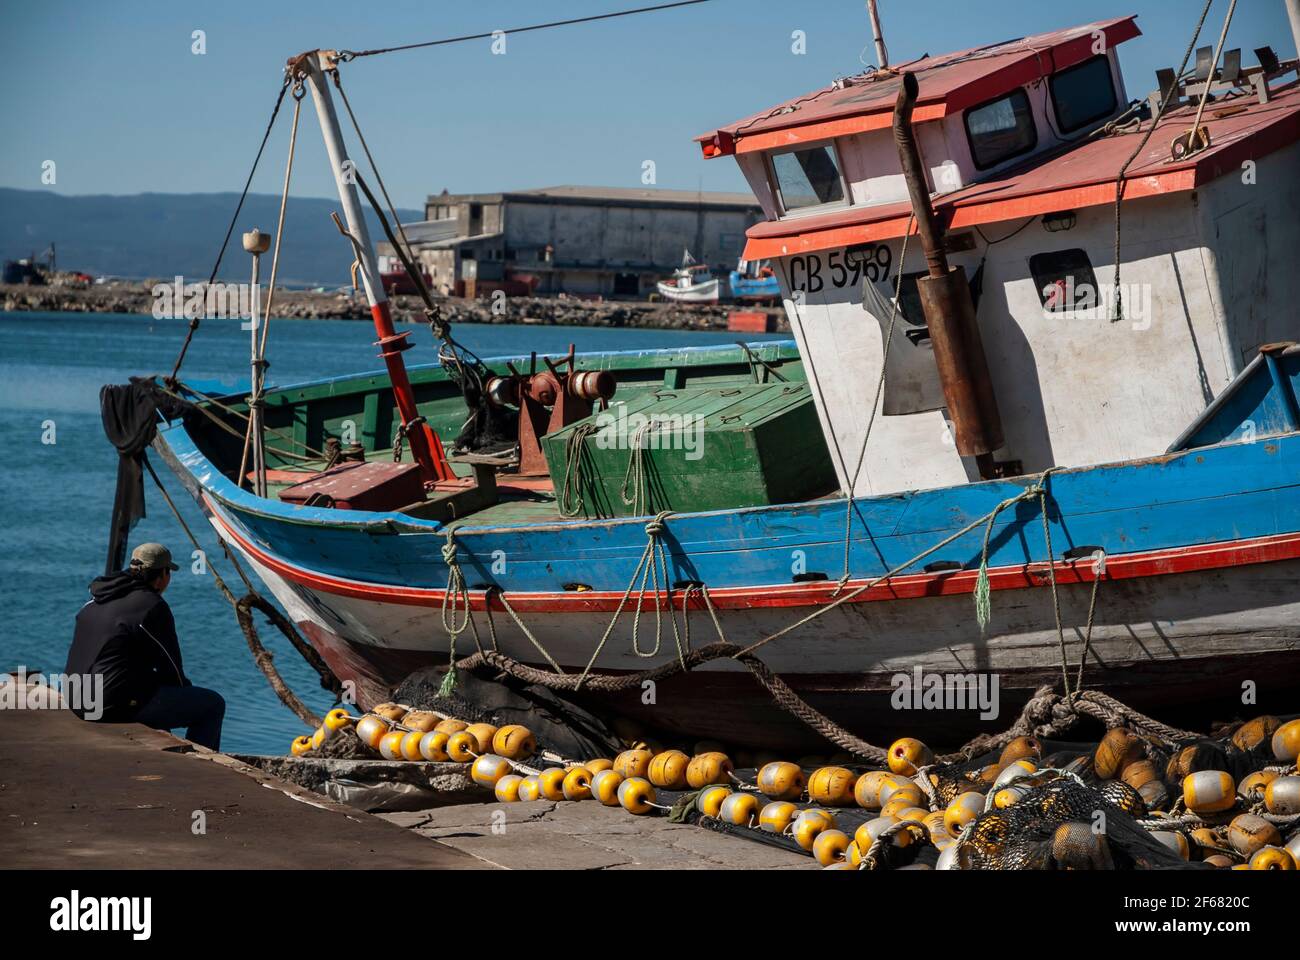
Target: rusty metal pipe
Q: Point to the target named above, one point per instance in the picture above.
(909, 155)
(949, 310)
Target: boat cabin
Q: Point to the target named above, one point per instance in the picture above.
(1024, 144)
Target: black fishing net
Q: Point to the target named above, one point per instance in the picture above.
(1067, 825)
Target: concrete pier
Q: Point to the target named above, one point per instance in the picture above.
(112, 796)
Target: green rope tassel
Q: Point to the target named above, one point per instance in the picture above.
(448, 682)
(983, 601)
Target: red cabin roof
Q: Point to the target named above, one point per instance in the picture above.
(1083, 174)
(948, 84)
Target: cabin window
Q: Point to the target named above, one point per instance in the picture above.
(1001, 129)
(1064, 280)
(807, 177)
(1082, 94)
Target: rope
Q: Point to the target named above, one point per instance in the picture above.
(1193, 137)
(880, 386)
(1119, 178)
(637, 472)
(259, 383)
(653, 561)
(571, 499)
(345, 56)
(500, 595)
(194, 321)
(243, 613)
(457, 593)
(858, 591)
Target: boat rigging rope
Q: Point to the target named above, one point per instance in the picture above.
(1193, 141)
(880, 387)
(243, 612)
(256, 399)
(345, 56)
(194, 321)
(1169, 96)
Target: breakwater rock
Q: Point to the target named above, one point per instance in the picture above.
(138, 297)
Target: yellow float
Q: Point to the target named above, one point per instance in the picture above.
(636, 795)
(529, 788)
(1272, 858)
(633, 763)
(433, 746)
(1209, 791)
(576, 784)
(1286, 741)
(514, 742)
(1248, 833)
(300, 745)
(462, 747)
(781, 780)
(830, 846)
(488, 769)
(550, 783)
(1282, 796)
(832, 786)
(907, 754)
(808, 825)
(964, 808)
(739, 808)
(708, 768)
(776, 816)
(667, 770)
(507, 788)
(710, 799)
(411, 746)
(604, 786)
(390, 745)
(370, 730)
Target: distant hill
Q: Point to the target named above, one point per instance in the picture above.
(166, 234)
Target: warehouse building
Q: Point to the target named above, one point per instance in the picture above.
(580, 241)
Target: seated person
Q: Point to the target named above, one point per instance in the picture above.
(126, 634)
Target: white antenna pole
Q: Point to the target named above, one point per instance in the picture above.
(882, 55)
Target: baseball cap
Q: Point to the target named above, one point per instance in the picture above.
(149, 557)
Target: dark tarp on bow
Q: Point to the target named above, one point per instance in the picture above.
(130, 414)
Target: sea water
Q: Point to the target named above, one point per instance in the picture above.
(57, 477)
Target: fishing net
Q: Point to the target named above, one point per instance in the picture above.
(1066, 825)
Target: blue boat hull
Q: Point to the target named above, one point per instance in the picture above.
(1197, 554)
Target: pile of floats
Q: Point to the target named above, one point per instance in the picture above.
(1210, 817)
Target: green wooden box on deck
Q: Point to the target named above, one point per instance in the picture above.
(710, 449)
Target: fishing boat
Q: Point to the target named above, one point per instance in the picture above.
(754, 283)
(690, 283)
(968, 463)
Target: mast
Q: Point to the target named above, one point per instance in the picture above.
(882, 55)
(313, 66)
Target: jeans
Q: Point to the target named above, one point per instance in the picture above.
(197, 709)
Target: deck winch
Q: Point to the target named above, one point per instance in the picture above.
(549, 400)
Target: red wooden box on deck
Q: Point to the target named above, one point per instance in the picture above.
(360, 486)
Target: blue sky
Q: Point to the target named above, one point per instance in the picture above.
(113, 94)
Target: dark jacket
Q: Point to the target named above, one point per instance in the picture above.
(127, 634)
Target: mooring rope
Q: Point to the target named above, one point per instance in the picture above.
(234, 218)
(875, 403)
(243, 613)
(1119, 177)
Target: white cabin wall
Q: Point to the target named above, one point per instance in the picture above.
(1251, 235)
(1072, 389)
